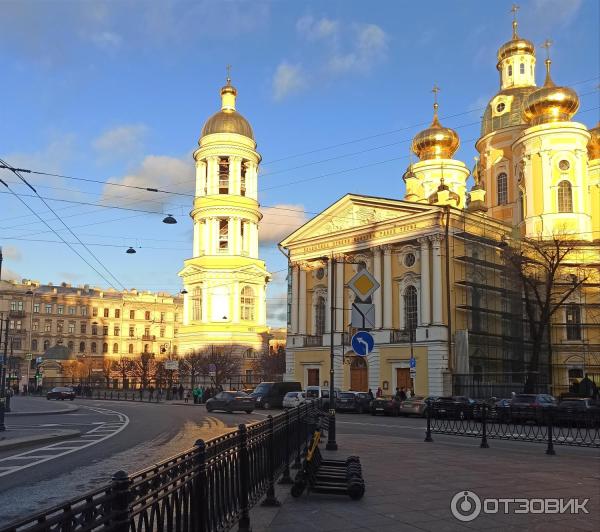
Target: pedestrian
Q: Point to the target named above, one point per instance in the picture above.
(195, 394)
(151, 390)
(397, 395)
(180, 391)
(402, 396)
(187, 396)
(409, 393)
(200, 395)
(379, 392)
(371, 394)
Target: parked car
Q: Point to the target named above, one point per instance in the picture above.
(293, 399)
(578, 412)
(498, 409)
(321, 394)
(271, 394)
(414, 406)
(531, 407)
(61, 393)
(231, 402)
(353, 402)
(388, 406)
(454, 407)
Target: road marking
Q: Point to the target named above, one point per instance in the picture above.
(98, 434)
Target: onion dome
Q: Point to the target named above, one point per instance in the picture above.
(435, 142)
(516, 46)
(594, 143)
(550, 103)
(228, 120)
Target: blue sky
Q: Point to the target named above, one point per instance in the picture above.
(334, 90)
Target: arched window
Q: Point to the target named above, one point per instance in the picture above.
(115, 348)
(46, 345)
(130, 349)
(510, 70)
(197, 304)
(410, 310)
(105, 347)
(93, 347)
(247, 303)
(82, 347)
(573, 315)
(34, 345)
(146, 348)
(320, 316)
(223, 234)
(565, 197)
(502, 188)
(223, 175)
(522, 68)
(70, 347)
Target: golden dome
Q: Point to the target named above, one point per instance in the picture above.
(228, 120)
(516, 46)
(550, 103)
(435, 142)
(594, 143)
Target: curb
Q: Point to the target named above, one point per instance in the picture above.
(41, 438)
(68, 410)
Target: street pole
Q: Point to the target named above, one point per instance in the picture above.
(2, 378)
(331, 443)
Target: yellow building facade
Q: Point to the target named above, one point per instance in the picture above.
(446, 298)
(225, 280)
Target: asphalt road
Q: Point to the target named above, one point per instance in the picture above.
(115, 435)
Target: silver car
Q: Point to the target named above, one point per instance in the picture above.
(293, 399)
(414, 406)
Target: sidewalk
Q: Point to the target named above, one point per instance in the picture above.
(410, 485)
(21, 405)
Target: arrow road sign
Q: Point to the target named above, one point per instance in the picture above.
(362, 343)
(363, 315)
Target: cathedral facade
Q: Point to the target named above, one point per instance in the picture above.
(225, 280)
(446, 299)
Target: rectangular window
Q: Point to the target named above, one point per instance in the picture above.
(132, 314)
(48, 309)
(94, 330)
(95, 312)
(147, 331)
(117, 313)
(106, 312)
(72, 311)
(147, 315)
(162, 332)
(105, 330)
(117, 330)
(47, 326)
(16, 343)
(573, 315)
(84, 311)
(176, 318)
(16, 306)
(35, 325)
(83, 328)
(163, 316)
(59, 326)
(223, 234)
(223, 175)
(36, 308)
(60, 309)
(131, 332)
(71, 328)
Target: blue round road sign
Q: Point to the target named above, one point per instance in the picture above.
(362, 343)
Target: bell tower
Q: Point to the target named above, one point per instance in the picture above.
(225, 280)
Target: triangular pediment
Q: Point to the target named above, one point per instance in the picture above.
(353, 211)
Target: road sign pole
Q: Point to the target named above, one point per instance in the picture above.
(331, 443)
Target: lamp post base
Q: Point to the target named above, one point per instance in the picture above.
(331, 446)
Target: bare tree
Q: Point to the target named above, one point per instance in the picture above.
(547, 272)
(270, 365)
(144, 368)
(191, 366)
(124, 368)
(225, 362)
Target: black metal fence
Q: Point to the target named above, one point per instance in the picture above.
(210, 487)
(552, 425)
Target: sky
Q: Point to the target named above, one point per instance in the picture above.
(335, 90)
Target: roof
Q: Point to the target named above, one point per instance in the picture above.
(228, 121)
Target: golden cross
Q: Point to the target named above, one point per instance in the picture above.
(435, 91)
(228, 68)
(514, 9)
(547, 44)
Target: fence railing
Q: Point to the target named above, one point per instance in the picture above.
(211, 487)
(551, 425)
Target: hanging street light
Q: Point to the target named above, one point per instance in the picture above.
(131, 251)
(169, 220)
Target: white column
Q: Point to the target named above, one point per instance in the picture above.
(425, 282)
(200, 178)
(234, 175)
(245, 231)
(206, 234)
(186, 305)
(294, 317)
(377, 294)
(212, 175)
(302, 301)
(328, 301)
(237, 236)
(436, 258)
(252, 181)
(230, 236)
(214, 231)
(236, 302)
(339, 294)
(205, 293)
(387, 287)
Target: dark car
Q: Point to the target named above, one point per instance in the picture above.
(230, 402)
(454, 407)
(61, 393)
(578, 412)
(531, 407)
(271, 394)
(498, 409)
(353, 402)
(388, 406)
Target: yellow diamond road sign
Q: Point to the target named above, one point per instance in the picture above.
(363, 284)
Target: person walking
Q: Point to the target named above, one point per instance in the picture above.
(187, 396)
(180, 391)
(402, 395)
(371, 394)
(201, 395)
(379, 392)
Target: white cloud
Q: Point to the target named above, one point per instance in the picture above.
(549, 14)
(288, 79)
(315, 30)
(277, 309)
(121, 141)
(370, 48)
(279, 221)
(155, 171)
(11, 253)
(107, 40)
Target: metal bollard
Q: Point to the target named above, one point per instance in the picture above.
(428, 433)
(550, 449)
(120, 507)
(285, 477)
(484, 443)
(244, 521)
